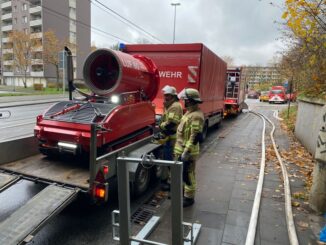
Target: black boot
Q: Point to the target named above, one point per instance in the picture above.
(165, 186)
(188, 202)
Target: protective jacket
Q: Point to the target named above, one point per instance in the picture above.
(189, 131)
(171, 119)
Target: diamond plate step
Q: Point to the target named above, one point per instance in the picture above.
(27, 220)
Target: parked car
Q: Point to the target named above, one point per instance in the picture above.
(253, 95)
(277, 96)
(264, 96)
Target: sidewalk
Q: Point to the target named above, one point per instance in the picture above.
(10, 101)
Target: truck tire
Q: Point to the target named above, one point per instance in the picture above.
(142, 180)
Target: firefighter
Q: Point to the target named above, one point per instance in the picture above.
(170, 120)
(189, 133)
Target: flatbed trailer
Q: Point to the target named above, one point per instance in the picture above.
(66, 179)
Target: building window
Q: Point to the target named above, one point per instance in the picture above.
(15, 9)
(15, 21)
(25, 19)
(24, 6)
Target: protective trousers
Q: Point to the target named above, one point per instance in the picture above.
(189, 173)
(167, 155)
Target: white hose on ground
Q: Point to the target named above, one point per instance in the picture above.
(250, 239)
(287, 192)
(275, 114)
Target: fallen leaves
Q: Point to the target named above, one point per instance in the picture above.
(302, 224)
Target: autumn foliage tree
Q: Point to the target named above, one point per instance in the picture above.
(23, 45)
(305, 60)
(51, 48)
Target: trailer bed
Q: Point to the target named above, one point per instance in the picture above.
(59, 171)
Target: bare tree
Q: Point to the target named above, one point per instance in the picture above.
(229, 60)
(51, 48)
(23, 45)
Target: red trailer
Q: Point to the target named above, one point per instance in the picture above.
(188, 66)
(234, 92)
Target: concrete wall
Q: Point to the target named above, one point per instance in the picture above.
(18, 149)
(308, 123)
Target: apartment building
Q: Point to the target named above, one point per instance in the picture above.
(69, 19)
(260, 74)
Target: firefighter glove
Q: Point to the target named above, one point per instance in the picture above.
(160, 138)
(185, 156)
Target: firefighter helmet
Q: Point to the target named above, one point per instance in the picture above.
(190, 94)
(169, 90)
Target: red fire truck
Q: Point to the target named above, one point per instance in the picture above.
(188, 66)
(234, 92)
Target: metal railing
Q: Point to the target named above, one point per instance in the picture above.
(177, 224)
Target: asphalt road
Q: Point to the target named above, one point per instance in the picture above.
(19, 121)
(80, 222)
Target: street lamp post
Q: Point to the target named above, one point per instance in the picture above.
(175, 14)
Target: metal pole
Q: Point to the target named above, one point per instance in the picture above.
(176, 203)
(64, 72)
(92, 154)
(289, 102)
(124, 203)
(175, 15)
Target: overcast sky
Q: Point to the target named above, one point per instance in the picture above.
(242, 29)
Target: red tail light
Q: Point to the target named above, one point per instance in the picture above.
(39, 118)
(100, 192)
(230, 101)
(100, 187)
(105, 170)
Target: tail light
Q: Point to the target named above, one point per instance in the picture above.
(230, 101)
(39, 118)
(100, 187)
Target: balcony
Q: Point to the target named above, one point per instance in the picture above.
(8, 62)
(38, 49)
(37, 35)
(37, 62)
(7, 51)
(8, 73)
(6, 28)
(72, 3)
(6, 5)
(37, 74)
(5, 40)
(37, 22)
(72, 27)
(35, 10)
(6, 16)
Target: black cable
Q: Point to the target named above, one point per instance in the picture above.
(129, 21)
(82, 23)
(77, 21)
